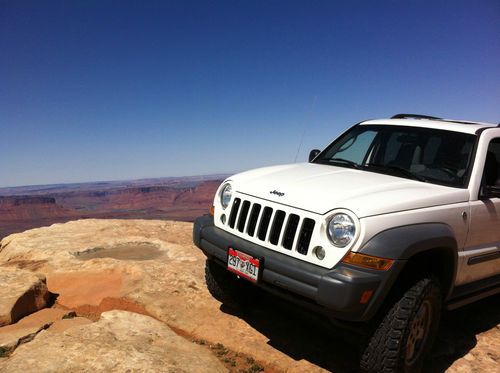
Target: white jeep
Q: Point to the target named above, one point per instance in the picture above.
(394, 220)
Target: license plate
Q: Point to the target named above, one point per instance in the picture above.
(243, 265)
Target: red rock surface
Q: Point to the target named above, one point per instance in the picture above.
(171, 289)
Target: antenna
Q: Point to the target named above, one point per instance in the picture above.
(304, 131)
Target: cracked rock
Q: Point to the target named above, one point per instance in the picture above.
(22, 293)
(120, 341)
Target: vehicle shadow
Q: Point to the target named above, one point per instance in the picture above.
(304, 336)
(300, 334)
(458, 331)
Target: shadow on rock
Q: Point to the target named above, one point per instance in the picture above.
(458, 330)
(303, 335)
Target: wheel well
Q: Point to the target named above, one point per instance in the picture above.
(438, 262)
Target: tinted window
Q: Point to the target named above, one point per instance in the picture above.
(491, 175)
(430, 155)
(355, 148)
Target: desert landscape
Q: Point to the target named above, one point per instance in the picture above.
(177, 198)
(129, 295)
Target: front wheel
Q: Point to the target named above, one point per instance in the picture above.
(405, 335)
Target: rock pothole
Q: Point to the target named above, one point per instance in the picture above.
(124, 251)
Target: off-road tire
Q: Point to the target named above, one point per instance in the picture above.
(226, 287)
(389, 348)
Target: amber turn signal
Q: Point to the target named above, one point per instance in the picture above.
(368, 261)
(212, 210)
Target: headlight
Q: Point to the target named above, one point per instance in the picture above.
(225, 195)
(341, 230)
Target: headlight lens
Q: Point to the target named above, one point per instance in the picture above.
(225, 195)
(341, 229)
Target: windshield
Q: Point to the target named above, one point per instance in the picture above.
(424, 154)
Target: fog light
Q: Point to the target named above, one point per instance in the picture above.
(223, 218)
(319, 252)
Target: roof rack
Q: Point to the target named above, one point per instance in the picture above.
(419, 116)
(415, 116)
(459, 121)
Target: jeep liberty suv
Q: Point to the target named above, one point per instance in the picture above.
(393, 221)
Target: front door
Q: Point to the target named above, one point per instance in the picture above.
(481, 256)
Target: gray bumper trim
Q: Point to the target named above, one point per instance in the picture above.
(335, 292)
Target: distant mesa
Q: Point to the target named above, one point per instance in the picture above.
(26, 200)
(181, 198)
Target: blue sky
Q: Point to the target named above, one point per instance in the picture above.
(105, 90)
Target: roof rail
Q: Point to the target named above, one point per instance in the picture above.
(459, 121)
(415, 116)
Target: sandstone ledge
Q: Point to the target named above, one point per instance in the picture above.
(151, 267)
(120, 341)
(22, 292)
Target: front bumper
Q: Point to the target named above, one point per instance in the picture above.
(334, 292)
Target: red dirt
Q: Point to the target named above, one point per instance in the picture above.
(93, 312)
(77, 289)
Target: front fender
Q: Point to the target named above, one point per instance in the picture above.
(404, 242)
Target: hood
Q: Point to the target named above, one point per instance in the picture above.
(322, 188)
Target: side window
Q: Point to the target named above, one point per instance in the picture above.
(491, 173)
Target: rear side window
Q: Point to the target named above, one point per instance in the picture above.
(491, 174)
(494, 148)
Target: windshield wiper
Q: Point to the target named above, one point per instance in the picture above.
(344, 161)
(399, 170)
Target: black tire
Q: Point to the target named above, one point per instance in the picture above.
(226, 287)
(405, 335)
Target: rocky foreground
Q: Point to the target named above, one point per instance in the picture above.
(118, 295)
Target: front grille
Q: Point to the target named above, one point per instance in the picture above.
(279, 218)
(252, 222)
(234, 212)
(291, 229)
(243, 216)
(305, 236)
(264, 223)
(274, 226)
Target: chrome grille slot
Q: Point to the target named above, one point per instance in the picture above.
(264, 223)
(243, 215)
(305, 236)
(252, 221)
(290, 231)
(234, 212)
(279, 219)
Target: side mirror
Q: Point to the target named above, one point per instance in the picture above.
(313, 154)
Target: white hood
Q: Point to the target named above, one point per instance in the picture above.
(322, 188)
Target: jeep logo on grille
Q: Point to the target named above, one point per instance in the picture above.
(275, 192)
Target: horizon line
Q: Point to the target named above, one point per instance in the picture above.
(111, 181)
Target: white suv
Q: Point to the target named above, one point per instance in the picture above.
(394, 220)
